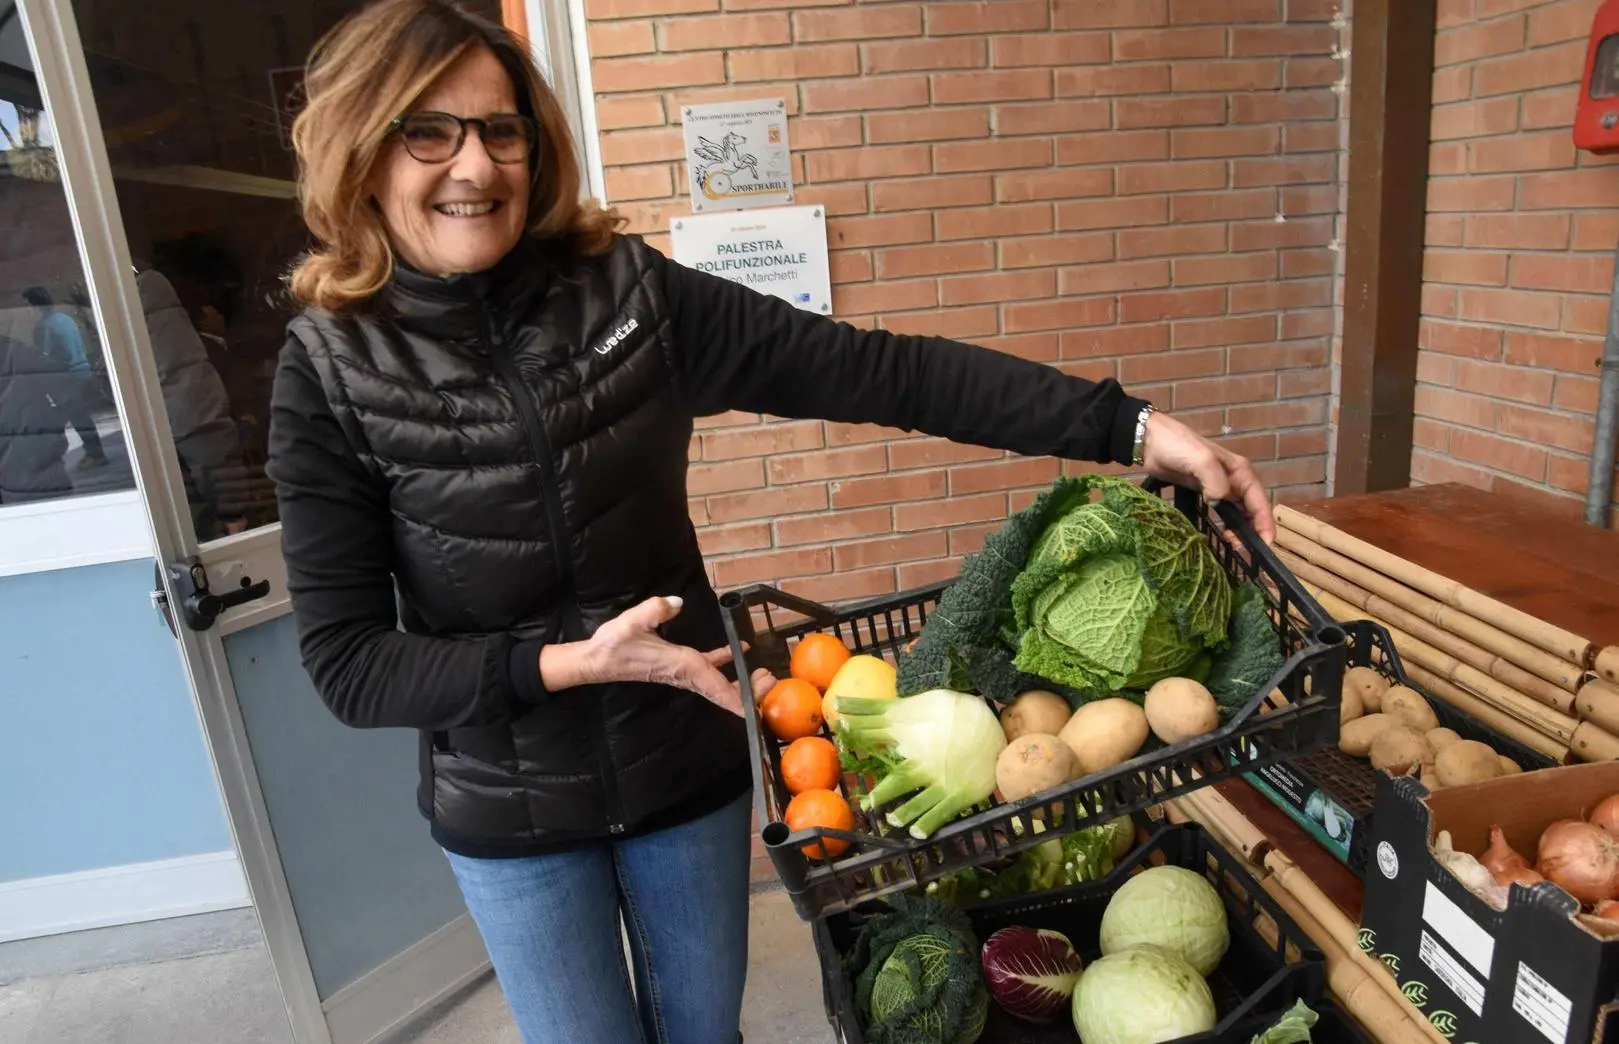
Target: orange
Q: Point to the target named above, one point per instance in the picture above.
(793, 709)
(816, 659)
(810, 763)
(821, 808)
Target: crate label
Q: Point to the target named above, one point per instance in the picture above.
(1460, 932)
(1461, 982)
(1543, 1005)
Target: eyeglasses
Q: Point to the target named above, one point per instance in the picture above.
(434, 137)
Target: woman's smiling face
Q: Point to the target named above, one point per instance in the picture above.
(464, 213)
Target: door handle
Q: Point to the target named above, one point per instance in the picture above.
(199, 606)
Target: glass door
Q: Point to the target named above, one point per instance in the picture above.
(171, 124)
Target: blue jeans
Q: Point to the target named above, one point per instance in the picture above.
(551, 925)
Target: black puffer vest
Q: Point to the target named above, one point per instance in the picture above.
(530, 429)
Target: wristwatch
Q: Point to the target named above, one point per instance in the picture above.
(1136, 456)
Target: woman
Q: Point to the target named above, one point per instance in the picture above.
(480, 429)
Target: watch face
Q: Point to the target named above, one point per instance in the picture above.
(1605, 72)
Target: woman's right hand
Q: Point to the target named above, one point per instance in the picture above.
(628, 648)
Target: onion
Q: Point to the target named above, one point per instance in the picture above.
(1500, 859)
(1524, 875)
(1606, 815)
(1582, 859)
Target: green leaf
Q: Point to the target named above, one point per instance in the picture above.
(1252, 656)
(1291, 1028)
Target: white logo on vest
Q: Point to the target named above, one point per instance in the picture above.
(618, 336)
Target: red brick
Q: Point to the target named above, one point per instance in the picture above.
(962, 156)
(1236, 330)
(939, 514)
(1301, 443)
(1035, 347)
(1484, 40)
(1555, 23)
(1453, 84)
(1120, 340)
(1296, 384)
(994, 222)
(868, 162)
(1587, 315)
(1311, 137)
(1454, 12)
(1439, 301)
(1292, 414)
(767, 503)
(1112, 277)
(1088, 14)
(1474, 342)
(1198, 12)
(922, 574)
(841, 587)
(1289, 40)
(1562, 272)
(1443, 230)
(1567, 354)
(867, 553)
(940, 125)
(920, 55)
(611, 39)
(1170, 112)
(849, 95)
(879, 230)
(1112, 213)
(1548, 150)
(1002, 286)
(825, 464)
(904, 262)
(620, 113)
(1116, 147)
(1504, 382)
(1429, 469)
(1251, 75)
(838, 434)
(1510, 308)
(1040, 251)
(1265, 297)
(826, 132)
(1576, 393)
(729, 419)
(1264, 235)
(857, 23)
(849, 266)
(1491, 451)
(932, 193)
(1224, 390)
(1284, 106)
(839, 525)
(793, 63)
(1471, 193)
(1589, 187)
(642, 146)
(1547, 67)
(1303, 264)
(761, 441)
(595, 9)
(1261, 358)
(1049, 49)
(1052, 117)
(772, 566)
(728, 540)
(1428, 435)
(1470, 267)
(970, 539)
(1312, 72)
(1286, 170)
(1161, 44)
(1056, 315)
(1003, 474)
(1570, 473)
(1318, 323)
(1096, 81)
(872, 298)
(1596, 231)
(727, 477)
(1053, 184)
(1224, 206)
(1230, 268)
(960, 323)
(1435, 369)
(728, 30)
(999, 16)
(647, 73)
(638, 182)
(888, 489)
(1447, 159)
(1474, 119)
(1225, 141)
(1301, 200)
(1525, 231)
(1553, 108)
(1171, 366)
(930, 453)
(1171, 177)
(1173, 240)
(1454, 407)
(957, 88)
(1171, 304)
(838, 200)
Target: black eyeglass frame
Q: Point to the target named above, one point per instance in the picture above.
(529, 124)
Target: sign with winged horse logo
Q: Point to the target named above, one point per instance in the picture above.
(737, 155)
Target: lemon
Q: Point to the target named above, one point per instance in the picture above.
(861, 677)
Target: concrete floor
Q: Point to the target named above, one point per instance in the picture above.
(206, 980)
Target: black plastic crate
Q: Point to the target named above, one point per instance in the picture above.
(1271, 963)
(1331, 783)
(762, 622)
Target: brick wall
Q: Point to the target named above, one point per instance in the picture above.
(1144, 189)
(1519, 263)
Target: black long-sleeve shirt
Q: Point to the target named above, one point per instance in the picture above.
(736, 350)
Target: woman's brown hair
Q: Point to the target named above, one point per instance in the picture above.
(365, 72)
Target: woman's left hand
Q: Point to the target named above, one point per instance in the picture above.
(1175, 453)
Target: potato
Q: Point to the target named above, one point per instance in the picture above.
(1397, 749)
(1036, 711)
(1180, 708)
(1352, 707)
(1430, 779)
(1033, 763)
(1356, 737)
(1368, 685)
(1439, 739)
(1104, 733)
(1466, 761)
(1509, 767)
(1409, 706)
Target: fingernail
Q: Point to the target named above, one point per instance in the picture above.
(675, 601)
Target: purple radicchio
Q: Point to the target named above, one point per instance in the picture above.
(1031, 972)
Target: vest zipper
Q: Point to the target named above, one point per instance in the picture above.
(572, 623)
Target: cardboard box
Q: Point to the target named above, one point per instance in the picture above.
(1529, 974)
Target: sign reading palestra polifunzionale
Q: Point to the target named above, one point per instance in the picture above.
(780, 252)
(737, 155)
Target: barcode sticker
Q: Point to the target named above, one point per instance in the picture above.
(1463, 934)
(1450, 971)
(1541, 1004)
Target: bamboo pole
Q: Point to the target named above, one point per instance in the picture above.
(1488, 713)
(1598, 702)
(1508, 674)
(1607, 663)
(1528, 712)
(1553, 639)
(1592, 743)
(1562, 673)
